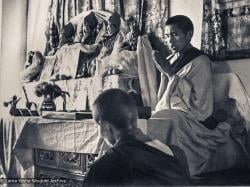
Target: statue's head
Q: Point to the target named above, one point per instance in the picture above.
(67, 34)
(114, 22)
(88, 27)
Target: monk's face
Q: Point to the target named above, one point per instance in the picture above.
(176, 39)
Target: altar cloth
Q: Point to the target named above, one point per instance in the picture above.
(21, 135)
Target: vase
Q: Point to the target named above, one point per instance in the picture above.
(48, 104)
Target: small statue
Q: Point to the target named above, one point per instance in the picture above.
(32, 67)
(246, 10)
(87, 30)
(13, 109)
(87, 35)
(132, 35)
(109, 32)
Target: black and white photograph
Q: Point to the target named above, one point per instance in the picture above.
(127, 93)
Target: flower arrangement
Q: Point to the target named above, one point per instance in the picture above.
(47, 89)
(50, 91)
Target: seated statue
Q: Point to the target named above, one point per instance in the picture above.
(32, 67)
(109, 33)
(75, 53)
(132, 35)
(87, 33)
(96, 37)
(122, 59)
(106, 39)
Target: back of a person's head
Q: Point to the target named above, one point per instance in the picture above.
(116, 107)
(182, 22)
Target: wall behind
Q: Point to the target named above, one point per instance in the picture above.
(13, 42)
(192, 9)
(0, 26)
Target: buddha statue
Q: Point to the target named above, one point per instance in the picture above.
(104, 42)
(108, 38)
(76, 53)
(87, 33)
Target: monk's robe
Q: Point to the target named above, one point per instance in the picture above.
(132, 162)
(186, 101)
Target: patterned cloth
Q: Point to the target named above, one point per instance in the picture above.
(20, 135)
(225, 28)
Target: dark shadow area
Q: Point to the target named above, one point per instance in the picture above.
(230, 177)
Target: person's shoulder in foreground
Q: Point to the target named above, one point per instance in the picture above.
(134, 159)
(133, 163)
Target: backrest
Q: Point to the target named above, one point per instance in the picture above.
(229, 85)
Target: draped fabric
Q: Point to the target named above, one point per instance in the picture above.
(36, 25)
(207, 150)
(189, 90)
(225, 28)
(147, 72)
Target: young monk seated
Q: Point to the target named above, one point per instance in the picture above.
(186, 100)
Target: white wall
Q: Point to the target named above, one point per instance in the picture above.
(193, 9)
(0, 25)
(241, 67)
(13, 45)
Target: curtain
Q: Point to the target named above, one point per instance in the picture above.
(36, 25)
(13, 48)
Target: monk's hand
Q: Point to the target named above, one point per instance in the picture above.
(162, 64)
